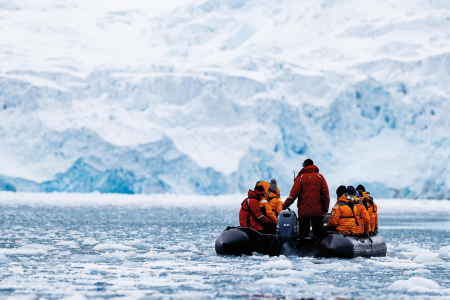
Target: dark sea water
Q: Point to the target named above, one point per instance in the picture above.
(120, 252)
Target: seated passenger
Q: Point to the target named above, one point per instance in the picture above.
(272, 194)
(362, 216)
(343, 213)
(251, 215)
(373, 210)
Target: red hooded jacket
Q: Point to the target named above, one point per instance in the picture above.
(251, 215)
(312, 191)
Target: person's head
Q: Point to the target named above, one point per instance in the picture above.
(259, 191)
(341, 190)
(273, 185)
(351, 190)
(308, 162)
(361, 187)
(360, 193)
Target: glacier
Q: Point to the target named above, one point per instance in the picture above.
(208, 97)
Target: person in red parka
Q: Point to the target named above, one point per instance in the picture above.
(251, 215)
(311, 189)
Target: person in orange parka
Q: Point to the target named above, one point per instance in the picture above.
(272, 194)
(373, 211)
(343, 213)
(251, 215)
(362, 216)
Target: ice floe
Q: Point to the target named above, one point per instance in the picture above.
(415, 284)
(112, 246)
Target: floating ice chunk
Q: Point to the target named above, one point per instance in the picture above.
(39, 246)
(4, 259)
(444, 252)
(419, 271)
(276, 264)
(398, 264)
(68, 244)
(113, 246)
(89, 258)
(131, 264)
(75, 297)
(407, 247)
(175, 248)
(427, 258)
(90, 242)
(120, 254)
(414, 284)
(150, 254)
(281, 281)
(133, 242)
(22, 251)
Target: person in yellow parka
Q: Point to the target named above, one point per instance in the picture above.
(373, 210)
(343, 213)
(272, 195)
(362, 216)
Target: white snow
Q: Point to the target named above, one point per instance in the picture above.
(112, 246)
(274, 264)
(68, 244)
(4, 259)
(90, 242)
(444, 252)
(414, 284)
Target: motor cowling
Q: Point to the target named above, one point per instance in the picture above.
(287, 225)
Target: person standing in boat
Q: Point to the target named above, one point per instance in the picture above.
(311, 189)
(373, 209)
(251, 215)
(343, 213)
(272, 195)
(362, 216)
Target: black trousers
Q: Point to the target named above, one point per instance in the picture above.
(305, 222)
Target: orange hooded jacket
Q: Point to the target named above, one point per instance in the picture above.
(275, 205)
(251, 215)
(342, 216)
(373, 212)
(363, 218)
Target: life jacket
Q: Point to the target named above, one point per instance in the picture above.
(343, 215)
(359, 206)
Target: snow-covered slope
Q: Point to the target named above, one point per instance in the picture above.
(208, 97)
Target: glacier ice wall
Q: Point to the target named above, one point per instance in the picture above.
(210, 97)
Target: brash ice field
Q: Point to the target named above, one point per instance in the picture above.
(93, 246)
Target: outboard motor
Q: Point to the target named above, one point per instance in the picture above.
(287, 232)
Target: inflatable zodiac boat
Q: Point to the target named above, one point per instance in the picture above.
(243, 240)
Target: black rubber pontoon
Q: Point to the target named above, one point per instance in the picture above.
(242, 240)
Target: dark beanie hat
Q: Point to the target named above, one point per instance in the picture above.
(308, 162)
(351, 190)
(361, 187)
(341, 190)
